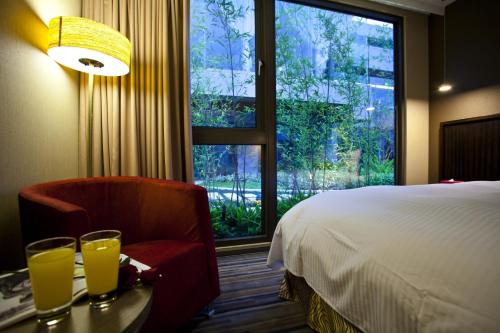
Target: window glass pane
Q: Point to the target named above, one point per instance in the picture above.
(335, 102)
(222, 41)
(232, 176)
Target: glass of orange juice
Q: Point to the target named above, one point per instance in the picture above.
(101, 255)
(51, 263)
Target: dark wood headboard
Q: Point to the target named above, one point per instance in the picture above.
(470, 149)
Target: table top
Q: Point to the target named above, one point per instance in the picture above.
(127, 314)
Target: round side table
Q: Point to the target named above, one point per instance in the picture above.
(127, 314)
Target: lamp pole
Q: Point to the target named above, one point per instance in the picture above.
(90, 123)
(90, 63)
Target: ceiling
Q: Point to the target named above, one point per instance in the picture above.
(422, 6)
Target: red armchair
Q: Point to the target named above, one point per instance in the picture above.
(164, 224)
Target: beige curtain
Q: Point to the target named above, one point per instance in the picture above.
(141, 123)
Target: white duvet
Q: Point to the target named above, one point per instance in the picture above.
(422, 258)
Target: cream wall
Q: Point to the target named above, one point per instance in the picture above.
(38, 112)
(416, 60)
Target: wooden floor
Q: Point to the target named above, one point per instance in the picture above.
(249, 300)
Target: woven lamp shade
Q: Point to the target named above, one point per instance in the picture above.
(88, 46)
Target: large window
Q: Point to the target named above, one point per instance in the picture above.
(335, 101)
(290, 98)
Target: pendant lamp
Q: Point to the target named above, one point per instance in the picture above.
(444, 86)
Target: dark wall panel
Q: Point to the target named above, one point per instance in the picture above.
(473, 44)
(470, 149)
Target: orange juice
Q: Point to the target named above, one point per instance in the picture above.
(51, 275)
(101, 262)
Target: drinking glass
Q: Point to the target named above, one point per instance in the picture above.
(51, 263)
(101, 255)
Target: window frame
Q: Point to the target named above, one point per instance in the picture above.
(264, 132)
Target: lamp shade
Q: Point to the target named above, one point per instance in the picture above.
(88, 46)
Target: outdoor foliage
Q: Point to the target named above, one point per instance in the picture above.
(233, 220)
(335, 106)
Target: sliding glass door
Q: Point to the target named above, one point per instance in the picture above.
(290, 99)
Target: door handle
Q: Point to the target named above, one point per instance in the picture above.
(259, 68)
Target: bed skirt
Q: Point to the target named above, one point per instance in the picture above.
(320, 316)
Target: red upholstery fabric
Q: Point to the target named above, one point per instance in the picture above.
(183, 280)
(165, 224)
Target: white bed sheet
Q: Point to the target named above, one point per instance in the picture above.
(422, 258)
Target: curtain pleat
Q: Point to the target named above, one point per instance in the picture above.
(141, 123)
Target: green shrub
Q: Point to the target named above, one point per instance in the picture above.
(230, 220)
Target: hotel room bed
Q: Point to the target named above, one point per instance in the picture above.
(422, 258)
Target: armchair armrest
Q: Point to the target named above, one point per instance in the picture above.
(174, 210)
(43, 217)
